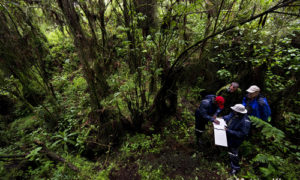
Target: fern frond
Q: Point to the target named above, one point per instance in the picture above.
(268, 130)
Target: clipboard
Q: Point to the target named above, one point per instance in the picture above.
(220, 133)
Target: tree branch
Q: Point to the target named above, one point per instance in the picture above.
(55, 156)
(218, 15)
(13, 156)
(290, 14)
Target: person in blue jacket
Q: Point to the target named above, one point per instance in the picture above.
(238, 127)
(208, 110)
(256, 104)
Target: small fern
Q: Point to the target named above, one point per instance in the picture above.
(268, 158)
(274, 165)
(268, 130)
(271, 160)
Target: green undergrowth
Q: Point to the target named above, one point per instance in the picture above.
(169, 154)
(28, 123)
(163, 155)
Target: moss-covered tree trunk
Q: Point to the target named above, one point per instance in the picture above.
(87, 53)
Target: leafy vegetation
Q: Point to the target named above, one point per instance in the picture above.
(107, 89)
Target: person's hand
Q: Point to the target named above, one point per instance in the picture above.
(216, 121)
(214, 116)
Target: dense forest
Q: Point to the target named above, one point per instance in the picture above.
(107, 89)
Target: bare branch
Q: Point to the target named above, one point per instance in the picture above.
(55, 156)
(13, 156)
(218, 15)
(290, 14)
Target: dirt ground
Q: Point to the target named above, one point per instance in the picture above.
(177, 161)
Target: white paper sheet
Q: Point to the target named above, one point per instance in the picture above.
(220, 133)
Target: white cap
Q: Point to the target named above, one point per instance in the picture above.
(239, 108)
(253, 89)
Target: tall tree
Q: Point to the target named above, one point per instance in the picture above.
(87, 51)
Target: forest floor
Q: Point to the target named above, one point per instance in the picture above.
(179, 157)
(177, 161)
(169, 154)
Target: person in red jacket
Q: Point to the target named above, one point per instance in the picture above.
(208, 110)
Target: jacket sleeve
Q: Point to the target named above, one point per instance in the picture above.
(241, 132)
(263, 109)
(228, 117)
(218, 111)
(203, 111)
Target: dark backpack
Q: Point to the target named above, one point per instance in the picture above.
(209, 96)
